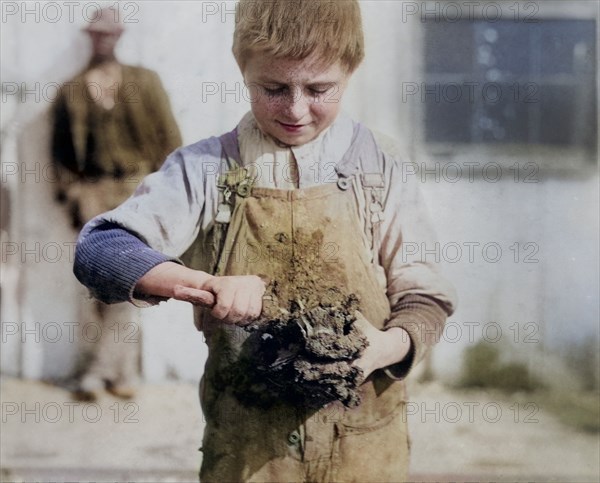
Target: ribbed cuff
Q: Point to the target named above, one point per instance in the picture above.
(111, 260)
(423, 319)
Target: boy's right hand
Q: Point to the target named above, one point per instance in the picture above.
(235, 299)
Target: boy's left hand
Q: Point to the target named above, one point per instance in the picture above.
(386, 347)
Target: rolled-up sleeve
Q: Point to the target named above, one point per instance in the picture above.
(110, 262)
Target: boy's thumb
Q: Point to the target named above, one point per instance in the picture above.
(194, 296)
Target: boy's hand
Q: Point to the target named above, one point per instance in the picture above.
(386, 347)
(234, 299)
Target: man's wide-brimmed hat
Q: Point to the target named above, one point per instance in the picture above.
(107, 20)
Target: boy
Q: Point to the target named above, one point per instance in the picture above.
(307, 200)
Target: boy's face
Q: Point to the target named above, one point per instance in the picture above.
(294, 100)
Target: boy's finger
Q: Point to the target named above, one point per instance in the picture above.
(361, 320)
(364, 325)
(224, 304)
(253, 309)
(194, 296)
(239, 311)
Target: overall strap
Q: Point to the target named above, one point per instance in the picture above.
(349, 165)
(232, 177)
(363, 167)
(231, 148)
(214, 239)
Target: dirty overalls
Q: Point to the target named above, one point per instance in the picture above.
(269, 231)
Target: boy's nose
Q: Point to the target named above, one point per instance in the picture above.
(297, 106)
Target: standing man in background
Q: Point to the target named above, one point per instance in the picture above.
(113, 125)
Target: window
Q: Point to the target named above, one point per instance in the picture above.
(500, 83)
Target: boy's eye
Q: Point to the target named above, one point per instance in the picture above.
(274, 91)
(318, 90)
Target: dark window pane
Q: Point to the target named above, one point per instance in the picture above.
(448, 118)
(503, 116)
(557, 116)
(449, 47)
(567, 46)
(504, 46)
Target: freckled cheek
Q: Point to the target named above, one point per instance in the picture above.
(263, 111)
(324, 112)
(267, 108)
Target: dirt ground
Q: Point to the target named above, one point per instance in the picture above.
(455, 437)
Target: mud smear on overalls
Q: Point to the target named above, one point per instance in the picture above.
(303, 347)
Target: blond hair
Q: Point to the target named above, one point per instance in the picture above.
(331, 29)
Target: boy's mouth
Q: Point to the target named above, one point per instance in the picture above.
(291, 127)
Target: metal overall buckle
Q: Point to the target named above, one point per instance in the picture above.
(236, 181)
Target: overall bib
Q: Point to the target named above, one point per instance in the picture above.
(308, 241)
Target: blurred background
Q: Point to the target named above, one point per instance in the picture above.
(496, 107)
